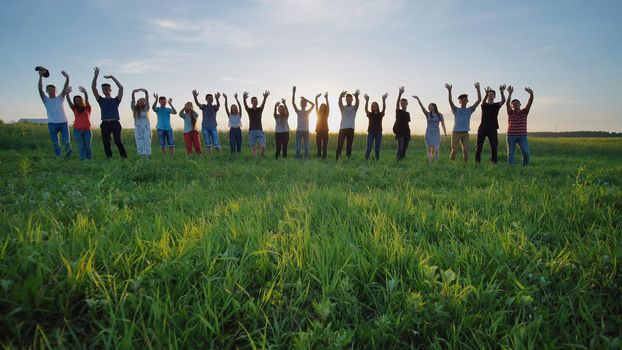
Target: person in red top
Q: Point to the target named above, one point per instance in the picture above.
(82, 124)
(517, 126)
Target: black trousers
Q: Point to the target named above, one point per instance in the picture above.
(493, 140)
(113, 127)
(348, 136)
(321, 138)
(402, 146)
(282, 140)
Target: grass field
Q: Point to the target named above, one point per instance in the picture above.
(228, 252)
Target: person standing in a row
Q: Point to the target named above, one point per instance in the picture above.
(109, 113)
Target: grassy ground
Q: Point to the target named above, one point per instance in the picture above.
(225, 252)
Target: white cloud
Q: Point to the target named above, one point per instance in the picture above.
(346, 13)
(201, 31)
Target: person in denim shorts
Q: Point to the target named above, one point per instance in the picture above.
(255, 129)
(165, 131)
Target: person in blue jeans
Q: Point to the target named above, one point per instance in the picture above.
(302, 128)
(209, 124)
(517, 126)
(163, 126)
(374, 130)
(82, 123)
(57, 119)
(235, 123)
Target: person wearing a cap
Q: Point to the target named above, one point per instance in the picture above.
(110, 114)
(57, 119)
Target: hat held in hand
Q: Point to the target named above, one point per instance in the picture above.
(44, 71)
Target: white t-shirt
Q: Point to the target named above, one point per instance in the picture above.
(303, 120)
(235, 121)
(348, 113)
(55, 109)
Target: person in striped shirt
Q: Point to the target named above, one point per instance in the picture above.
(517, 126)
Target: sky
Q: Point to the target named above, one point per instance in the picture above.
(567, 51)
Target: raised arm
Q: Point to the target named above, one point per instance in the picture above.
(502, 92)
(399, 97)
(366, 97)
(317, 109)
(170, 103)
(133, 102)
(69, 98)
(296, 109)
(217, 96)
(195, 94)
(119, 86)
(155, 102)
(312, 105)
(238, 102)
(265, 97)
(66, 86)
(479, 96)
(94, 83)
(327, 104)
(341, 96)
(356, 98)
(384, 102)
(40, 86)
(146, 97)
(451, 100)
(226, 105)
(276, 107)
(508, 103)
(286, 109)
(530, 92)
(421, 105)
(245, 99)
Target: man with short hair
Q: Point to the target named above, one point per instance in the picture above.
(462, 114)
(255, 129)
(209, 125)
(348, 116)
(489, 124)
(109, 113)
(57, 119)
(517, 126)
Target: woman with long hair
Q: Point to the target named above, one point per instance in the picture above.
(432, 131)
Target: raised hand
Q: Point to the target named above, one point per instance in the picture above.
(96, 70)
(318, 96)
(529, 91)
(82, 89)
(155, 96)
(64, 74)
(357, 93)
(217, 95)
(294, 88)
(224, 95)
(502, 87)
(326, 94)
(416, 97)
(487, 89)
(107, 76)
(283, 101)
(266, 93)
(245, 94)
(477, 86)
(343, 93)
(402, 89)
(170, 100)
(510, 89)
(386, 94)
(235, 95)
(277, 104)
(448, 87)
(69, 89)
(195, 93)
(366, 97)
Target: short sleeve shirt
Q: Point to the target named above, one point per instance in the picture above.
(254, 117)
(82, 121)
(55, 110)
(109, 107)
(209, 117)
(164, 118)
(463, 118)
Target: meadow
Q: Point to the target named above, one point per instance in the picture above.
(235, 252)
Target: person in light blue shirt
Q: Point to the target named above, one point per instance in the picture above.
(163, 126)
(462, 114)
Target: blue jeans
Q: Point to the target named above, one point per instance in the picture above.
(54, 129)
(235, 140)
(165, 137)
(373, 137)
(83, 139)
(302, 136)
(210, 137)
(524, 148)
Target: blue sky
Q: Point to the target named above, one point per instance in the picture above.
(568, 51)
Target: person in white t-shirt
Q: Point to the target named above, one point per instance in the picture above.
(57, 119)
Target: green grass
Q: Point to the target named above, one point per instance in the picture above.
(222, 252)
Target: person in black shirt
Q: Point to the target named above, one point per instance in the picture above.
(489, 124)
(255, 129)
(401, 129)
(374, 130)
